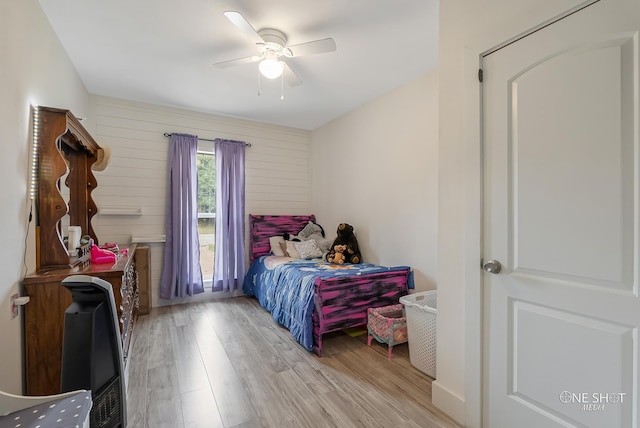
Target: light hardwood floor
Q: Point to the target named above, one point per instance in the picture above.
(228, 364)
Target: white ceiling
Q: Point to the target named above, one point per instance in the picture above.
(162, 52)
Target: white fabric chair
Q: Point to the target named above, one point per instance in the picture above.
(70, 409)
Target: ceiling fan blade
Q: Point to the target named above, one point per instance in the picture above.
(239, 61)
(314, 47)
(292, 79)
(243, 25)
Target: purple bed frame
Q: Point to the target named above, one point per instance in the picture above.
(336, 305)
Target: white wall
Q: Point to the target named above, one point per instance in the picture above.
(278, 177)
(35, 70)
(467, 28)
(376, 168)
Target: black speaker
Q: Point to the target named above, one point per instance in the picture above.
(92, 350)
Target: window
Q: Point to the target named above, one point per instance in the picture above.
(206, 166)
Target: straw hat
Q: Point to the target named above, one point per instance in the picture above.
(103, 157)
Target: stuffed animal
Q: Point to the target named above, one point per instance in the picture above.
(338, 254)
(311, 231)
(346, 237)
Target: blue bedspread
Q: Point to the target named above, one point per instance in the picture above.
(285, 287)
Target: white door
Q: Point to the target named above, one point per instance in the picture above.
(561, 214)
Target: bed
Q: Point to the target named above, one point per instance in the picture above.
(312, 297)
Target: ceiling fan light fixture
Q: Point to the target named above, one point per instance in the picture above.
(271, 68)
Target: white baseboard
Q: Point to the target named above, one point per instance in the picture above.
(448, 402)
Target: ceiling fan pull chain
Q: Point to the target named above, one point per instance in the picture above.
(259, 84)
(282, 87)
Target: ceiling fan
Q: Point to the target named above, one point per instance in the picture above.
(272, 48)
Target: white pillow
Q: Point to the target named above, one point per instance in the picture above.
(274, 242)
(291, 250)
(308, 249)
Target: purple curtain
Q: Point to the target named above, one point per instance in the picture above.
(181, 274)
(229, 259)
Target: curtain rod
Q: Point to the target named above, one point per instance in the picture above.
(166, 134)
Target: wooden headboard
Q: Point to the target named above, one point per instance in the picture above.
(262, 227)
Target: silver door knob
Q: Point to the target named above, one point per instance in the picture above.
(492, 266)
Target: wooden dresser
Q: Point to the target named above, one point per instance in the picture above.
(66, 156)
(44, 316)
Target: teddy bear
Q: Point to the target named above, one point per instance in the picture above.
(346, 237)
(338, 254)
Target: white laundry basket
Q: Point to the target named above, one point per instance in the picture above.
(421, 311)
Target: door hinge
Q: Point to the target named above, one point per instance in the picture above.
(480, 75)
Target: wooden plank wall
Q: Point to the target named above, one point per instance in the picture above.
(278, 168)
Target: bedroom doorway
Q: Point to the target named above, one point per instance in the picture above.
(561, 121)
(206, 166)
